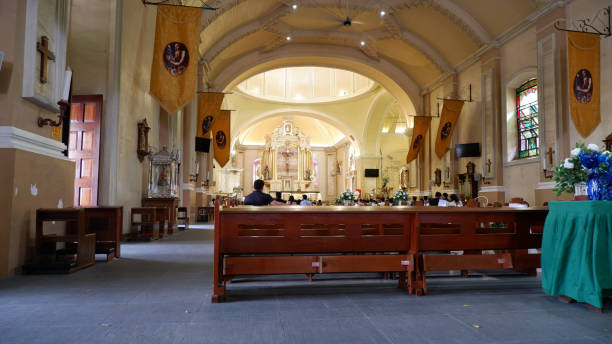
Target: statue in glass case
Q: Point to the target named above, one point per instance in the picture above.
(163, 175)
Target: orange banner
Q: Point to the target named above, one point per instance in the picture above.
(583, 53)
(175, 56)
(450, 113)
(221, 136)
(421, 125)
(209, 105)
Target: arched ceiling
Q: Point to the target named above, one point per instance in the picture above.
(424, 39)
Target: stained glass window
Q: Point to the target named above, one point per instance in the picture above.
(527, 117)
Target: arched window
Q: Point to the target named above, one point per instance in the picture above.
(527, 119)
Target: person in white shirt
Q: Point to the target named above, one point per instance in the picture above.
(305, 200)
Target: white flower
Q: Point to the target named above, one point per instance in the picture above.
(568, 164)
(575, 151)
(593, 147)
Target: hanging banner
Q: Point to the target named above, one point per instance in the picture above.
(450, 113)
(221, 136)
(175, 56)
(583, 53)
(421, 125)
(209, 105)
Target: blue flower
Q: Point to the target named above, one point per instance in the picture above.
(589, 160)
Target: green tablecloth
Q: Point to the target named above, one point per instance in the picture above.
(577, 250)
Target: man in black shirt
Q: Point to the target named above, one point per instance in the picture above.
(434, 201)
(257, 197)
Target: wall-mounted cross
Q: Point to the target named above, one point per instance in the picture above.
(489, 163)
(45, 54)
(550, 153)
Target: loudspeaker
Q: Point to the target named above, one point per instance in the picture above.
(202, 145)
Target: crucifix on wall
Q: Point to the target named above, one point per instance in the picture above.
(45, 54)
(489, 163)
(549, 154)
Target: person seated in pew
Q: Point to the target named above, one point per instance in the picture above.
(305, 200)
(414, 200)
(278, 198)
(291, 201)
(258, 197)
(434, 201)
(454, 201)
(319, 203)
(425, 200)
(445, 197)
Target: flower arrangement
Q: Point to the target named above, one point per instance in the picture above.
(347, 195)
(400, 196)
(586, 164)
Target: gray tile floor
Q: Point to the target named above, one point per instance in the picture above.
(159, 292)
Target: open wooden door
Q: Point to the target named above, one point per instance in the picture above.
(84, 147)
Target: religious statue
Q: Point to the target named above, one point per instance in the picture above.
(405, 178)
(438, 177)
(307, 174)
(266, 173)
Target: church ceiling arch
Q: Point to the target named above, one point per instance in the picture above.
(445, 33)
(393, 79)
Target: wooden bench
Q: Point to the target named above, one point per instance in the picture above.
(263, 240)
(146, 227)
(46, 258)
(107, 224)
(511, 232)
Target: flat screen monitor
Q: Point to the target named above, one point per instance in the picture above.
(371, 173)
(465, 150)
(202, 145)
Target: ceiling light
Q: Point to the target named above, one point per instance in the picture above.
(299, 96)
(342, 93)
(294, 6)
(382, 13)
(256, 90)
(288, 38)
(362, 43)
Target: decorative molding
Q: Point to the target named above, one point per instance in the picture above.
(545, 185)
(15, 138)
(188, 186)
(493, 188)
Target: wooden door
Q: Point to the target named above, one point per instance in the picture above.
(84, 147)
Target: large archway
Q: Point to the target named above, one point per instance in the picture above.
(393, 79)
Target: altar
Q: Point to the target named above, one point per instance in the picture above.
(287, 165)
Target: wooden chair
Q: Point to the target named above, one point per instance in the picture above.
(147, 227)
(47, 258)
(182, 218)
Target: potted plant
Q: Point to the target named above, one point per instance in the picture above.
(347, 197)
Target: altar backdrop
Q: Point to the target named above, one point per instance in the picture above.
(583, 53)
(175, 56)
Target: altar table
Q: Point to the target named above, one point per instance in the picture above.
(577, 250)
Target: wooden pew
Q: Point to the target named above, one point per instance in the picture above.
(257, 240)
(147, 228)
(262, 240)
(46, 258)
(107, 224)
(473, 230)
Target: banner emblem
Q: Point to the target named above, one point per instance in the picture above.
(446, 130)
(417, 142)
(207, 123)
(221, 139)
(176, 58)
(583, 86)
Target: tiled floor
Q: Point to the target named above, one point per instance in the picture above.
(159, 292)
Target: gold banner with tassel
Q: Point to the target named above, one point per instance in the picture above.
(221, 136)
(421, 125)
(175, 56)
(583, 53)
(450, 113)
